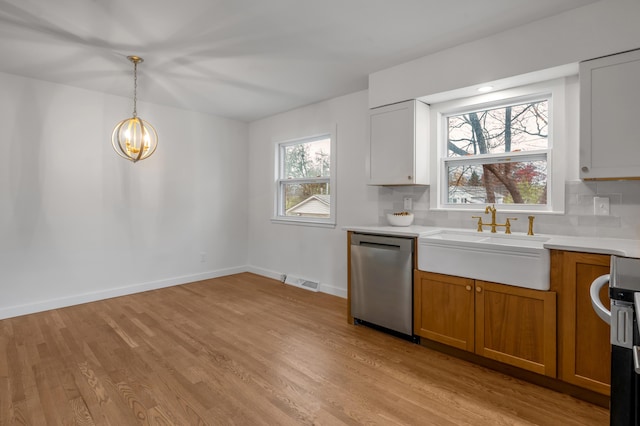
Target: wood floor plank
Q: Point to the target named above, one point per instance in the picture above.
(5, 403)
(98, 392)
(247, 350)
(18, 414)
(81, 413)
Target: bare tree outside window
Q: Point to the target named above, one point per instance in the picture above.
(499, 155)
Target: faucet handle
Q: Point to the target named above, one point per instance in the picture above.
(530, 232)
(507, 225)
(479, 222)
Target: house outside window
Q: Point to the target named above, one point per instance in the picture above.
(500, 149)
(305, 184)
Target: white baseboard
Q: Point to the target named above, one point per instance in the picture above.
(336, 291)
(62, 302)
(265, 273)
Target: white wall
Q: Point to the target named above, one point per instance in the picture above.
(318, 254)
(79, 223)
(598, 29)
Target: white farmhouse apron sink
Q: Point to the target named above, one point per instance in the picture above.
(513, 259)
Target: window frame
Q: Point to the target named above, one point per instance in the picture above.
(554, 92)
(281, 181)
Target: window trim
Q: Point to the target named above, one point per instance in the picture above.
(554, 91)
(280, 181)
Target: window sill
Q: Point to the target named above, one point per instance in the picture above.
(303, 222)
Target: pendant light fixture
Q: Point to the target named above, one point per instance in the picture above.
(134, 138)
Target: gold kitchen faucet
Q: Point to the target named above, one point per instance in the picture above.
(492, 209)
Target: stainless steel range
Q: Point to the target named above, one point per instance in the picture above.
(624, 292)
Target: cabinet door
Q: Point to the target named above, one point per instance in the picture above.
(398, 146)
(609, 110)
(584, 339)
(516, 326)
(391, 150)
(443, 309)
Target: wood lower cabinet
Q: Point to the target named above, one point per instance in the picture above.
(509, 324)
(443, 309)
(516, 326)
(584, 350)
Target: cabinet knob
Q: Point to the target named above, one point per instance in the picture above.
(478, 289)
(585, 169)
(409, 177)
(468, 288)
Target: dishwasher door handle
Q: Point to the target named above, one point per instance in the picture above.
(382, 242)
(379, 245)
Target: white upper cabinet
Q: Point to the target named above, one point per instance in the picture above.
(398, 150)
(609, 117)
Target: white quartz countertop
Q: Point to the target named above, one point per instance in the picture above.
(399, 231)
(615, 246)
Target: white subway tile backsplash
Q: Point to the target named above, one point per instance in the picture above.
(580, 187)
(579, 220)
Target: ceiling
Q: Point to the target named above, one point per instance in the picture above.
(241, 59)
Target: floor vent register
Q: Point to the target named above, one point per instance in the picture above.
(302, 283)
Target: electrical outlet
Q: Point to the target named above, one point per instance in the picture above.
(408, 203)
(601, 206)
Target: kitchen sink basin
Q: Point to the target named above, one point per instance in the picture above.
(459, 236)
(516, 259)
(516, 241)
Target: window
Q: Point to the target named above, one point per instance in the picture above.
(305, 184)
(499, 152)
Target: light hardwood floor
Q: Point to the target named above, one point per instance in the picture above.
(247, 350)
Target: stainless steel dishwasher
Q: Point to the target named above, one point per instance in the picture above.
(382, 281)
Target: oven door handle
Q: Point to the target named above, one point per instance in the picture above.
(636, 349)
(598, 306)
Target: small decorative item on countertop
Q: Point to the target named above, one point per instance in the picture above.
(400, 219)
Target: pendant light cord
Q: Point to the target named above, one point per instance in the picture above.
(135, 88)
